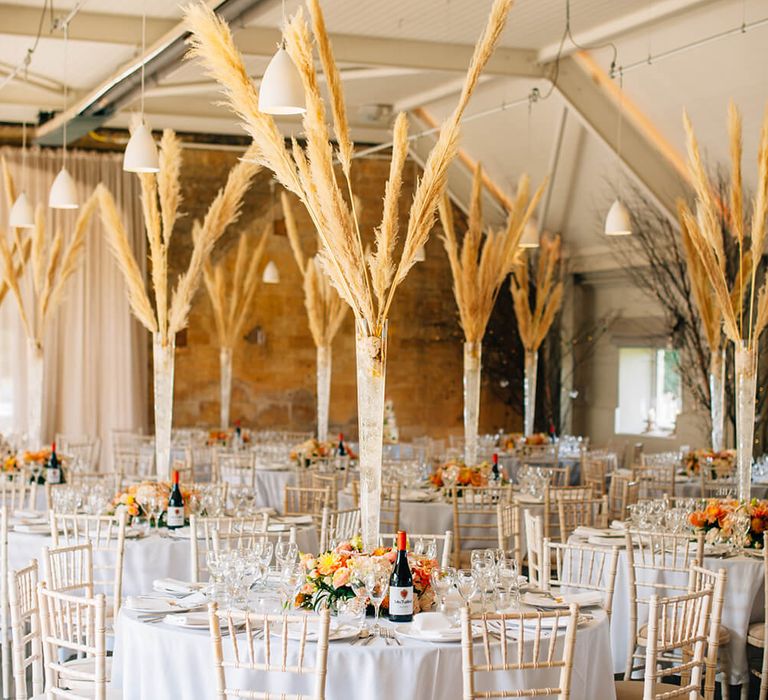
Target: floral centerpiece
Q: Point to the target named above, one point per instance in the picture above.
(722, 463)
(465, 475)
(309, 451)
(717, 518)
(225, 437)
(329, 575)
(134, 499)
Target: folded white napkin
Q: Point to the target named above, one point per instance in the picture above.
(431, 622)
(193, 600)
(38, 528)
(148, 603)
(194, 619)
(35, 515)
(586, 531)
(174, 585)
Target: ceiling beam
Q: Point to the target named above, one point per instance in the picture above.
(645, 151)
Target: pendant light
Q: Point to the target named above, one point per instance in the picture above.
(281, 90)
(22, 213)
(618, 221)
(271, 275)
(63, 194)
(530, 237)
(141, 152)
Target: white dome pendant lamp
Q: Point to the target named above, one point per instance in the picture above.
(22, 214)
(618, 221)
(281, 90)
(63, 193)
(271, 274)
(141, 152)
(530, 237)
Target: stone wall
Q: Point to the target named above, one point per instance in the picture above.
(274, 380)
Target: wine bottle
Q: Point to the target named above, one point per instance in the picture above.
(341, 451)
(238, 435)
(174, 517)
(401, 585)
(495, 473)
(53, 468)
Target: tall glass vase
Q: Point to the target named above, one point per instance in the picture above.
(746, 385)
(529, 390)
(323, 390)
(717, 399)
(472, 369)
(225, 380)
(371, 351)
(163, 357)
(35, 376)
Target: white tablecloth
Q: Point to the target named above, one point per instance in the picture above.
(743, 604)
(270, 487)
(161, 661)
(146, 558)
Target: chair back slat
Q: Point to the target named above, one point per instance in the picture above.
(25, 630)
(338, 526)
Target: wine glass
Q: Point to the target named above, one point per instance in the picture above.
(509, 577)
(466, 584)
(442, 580)
(291, 579)
(377, 586)
(286, 552)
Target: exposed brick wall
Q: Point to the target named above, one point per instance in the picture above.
(274, 383)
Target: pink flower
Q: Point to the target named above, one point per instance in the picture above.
(341, 577)
(391, 555)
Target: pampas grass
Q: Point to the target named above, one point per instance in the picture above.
(481, 264)
(325, 309)
(534, 322)
(52, 264)
(741, 322)
(367, 284)
(232, 304)
(160, 199)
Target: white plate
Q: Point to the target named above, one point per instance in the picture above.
(33, 528)
(607, 541)
(153, 604)
(293, 519)
(444, 636)
(527, 498)
(199, 620)
(295, 630)
(583, 599)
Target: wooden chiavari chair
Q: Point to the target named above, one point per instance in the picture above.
(74, 625)
(238, 531)
(678, 630)
(17, 493)
(622, 493)
(134, 462)
(552, 494)
(390, 506)
(475, 518)
(5, 649)
(582, 566)
(658, 563)
(594, 475)
(235, 467)
(758, 633)
(338, 526)
(445, 552)
(521, 647)
(299, 500)
(85, 448)
(575, 512)
(656, 480)
(106, 535)
(509, 530)
(69, 569)
(25, 628)
(330, 481)
(259, 636)
(534, 544)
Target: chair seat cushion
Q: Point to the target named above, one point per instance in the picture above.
(723, 635)
(633, 690)
(756, 634)
(85, 665)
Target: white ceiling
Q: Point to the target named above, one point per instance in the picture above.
(507, 142)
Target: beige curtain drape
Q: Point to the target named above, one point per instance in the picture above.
(95, 352)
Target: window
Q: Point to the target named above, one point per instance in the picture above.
(650, 392)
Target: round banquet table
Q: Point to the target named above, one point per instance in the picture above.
(743, 605)
(270, 487)
(690, 487)
(435, 517)
(146, 558)
(177, 662)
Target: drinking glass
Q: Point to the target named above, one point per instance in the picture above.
(509, 577)
(286, 553)
(466, 584)
(377, 586)
(291, 579)
(442, 580)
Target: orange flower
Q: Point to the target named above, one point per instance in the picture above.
(697, 519)
(758, 525)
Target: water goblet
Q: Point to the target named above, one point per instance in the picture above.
(466, 584)
(442, 580)
(286, 552)
(377, 586)
(291, 579)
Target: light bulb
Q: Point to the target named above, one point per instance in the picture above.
(281, 90)
(530, 237)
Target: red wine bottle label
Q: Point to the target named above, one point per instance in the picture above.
(400, 601)
(53, 475)
(175, 516)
